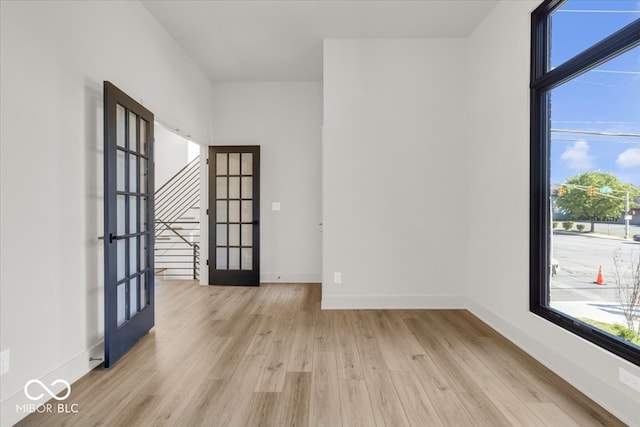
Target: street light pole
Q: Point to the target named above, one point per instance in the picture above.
(626, 214)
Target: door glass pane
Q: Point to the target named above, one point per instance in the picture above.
(221, 211)
(234, 258)
(133, 255)
(247, 234)
(247, 163)
(120, 214)
(120, 130)
(120, 257)
(133, 137)
(247, 213)
(247, 187)
(221, 258)
(133, 297)
(133, 173)
(234, 163)
(247, 258)
(143, 290)
(234, 188)
(133, 214)
(143, 214)
(120, 304)
(143, 136)
(120, 158)
(221, 234)
(143, 252)
(143, 175)
(221, 163)
(234, 211)
(221, 188)
(234, 234)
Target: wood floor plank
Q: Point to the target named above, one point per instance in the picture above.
(387, 341)
(448, 405)
(244, 356)
(387, 408)
(234, 350)
(551, 415)
(294, 401)
(484, 411)
(369, 352)
(301, 352)
(349, 365)
(355, 404)
(577, 405)
(324, 407)
(261, 411)
(417, 405)
(277, 358)
(324, 334)
(263, 337)
(232, 407)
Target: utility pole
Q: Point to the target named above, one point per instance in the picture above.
(627, 215)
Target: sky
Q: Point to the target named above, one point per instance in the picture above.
(603, 100)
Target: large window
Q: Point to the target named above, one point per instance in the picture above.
(585, 170)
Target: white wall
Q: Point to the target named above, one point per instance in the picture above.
(171, 154)
(498, 143)
(394, 187)
(284, 119)
(54, 57)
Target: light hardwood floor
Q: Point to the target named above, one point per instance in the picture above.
(268, 356)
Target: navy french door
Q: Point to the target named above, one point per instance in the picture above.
(128, 222)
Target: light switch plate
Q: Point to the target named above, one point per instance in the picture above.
(275, 206)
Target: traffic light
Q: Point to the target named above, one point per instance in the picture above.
(591, 190)
(561, 191)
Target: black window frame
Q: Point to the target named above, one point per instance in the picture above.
(543, 80)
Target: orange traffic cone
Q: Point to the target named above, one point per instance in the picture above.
(600, 277)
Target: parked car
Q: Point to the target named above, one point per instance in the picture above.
(636, 237)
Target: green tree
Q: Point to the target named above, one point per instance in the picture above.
(576, 198)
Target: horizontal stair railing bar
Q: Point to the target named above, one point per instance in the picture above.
(177, 234)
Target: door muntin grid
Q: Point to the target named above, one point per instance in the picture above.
(234, 218)
(133, 228)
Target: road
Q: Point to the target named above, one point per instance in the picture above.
(580, 255)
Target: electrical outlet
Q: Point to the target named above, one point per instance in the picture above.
(337, 277)
(4, 362)
(629, 379)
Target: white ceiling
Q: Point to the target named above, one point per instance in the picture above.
(266, 40)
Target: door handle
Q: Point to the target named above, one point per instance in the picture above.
(113, 237)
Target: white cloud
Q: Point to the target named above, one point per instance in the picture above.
(629, 158)
(577, 156)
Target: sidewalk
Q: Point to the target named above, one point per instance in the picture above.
(607, 312)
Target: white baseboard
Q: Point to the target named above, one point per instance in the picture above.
(555, 361)
(290, 278)
(279, 278)
(13, 408)
(345, 302)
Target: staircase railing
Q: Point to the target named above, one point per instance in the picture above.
(177, 235)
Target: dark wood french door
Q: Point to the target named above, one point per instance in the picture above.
(234, 215)
(128, 222)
